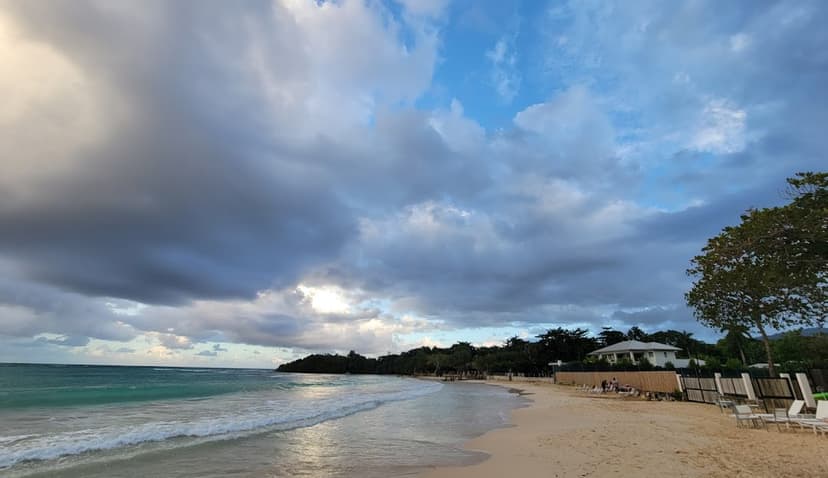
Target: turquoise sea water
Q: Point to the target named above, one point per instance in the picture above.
(28, 385)
(70, 420)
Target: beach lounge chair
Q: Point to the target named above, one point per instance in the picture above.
(820, 428)
(724, 403)
(819, 423)
(794, 410)
(816, 425)
(631, 392)
(744, 414)
(779, 416)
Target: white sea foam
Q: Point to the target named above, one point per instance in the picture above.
(5, 440)
(252, 417)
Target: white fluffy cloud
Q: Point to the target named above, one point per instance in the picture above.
(721, 128)
(504, 74)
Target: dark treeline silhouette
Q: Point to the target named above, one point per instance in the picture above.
(571, 346)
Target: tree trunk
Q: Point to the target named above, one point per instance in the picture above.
(766, 341)
(742, 354)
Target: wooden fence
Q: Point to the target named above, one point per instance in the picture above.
(734, 387)
(698, 389)
(665, 382)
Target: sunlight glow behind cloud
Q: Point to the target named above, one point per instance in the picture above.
(326, 300)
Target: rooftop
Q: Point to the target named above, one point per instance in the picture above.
(629, 345)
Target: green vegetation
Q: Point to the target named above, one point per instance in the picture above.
(328, 363)
(770, 271)
(516, 355)
(796, 351)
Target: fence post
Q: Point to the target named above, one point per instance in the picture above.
(678, 379)
(751, 395)
(787, 377)
(807, 394)
(718, 378)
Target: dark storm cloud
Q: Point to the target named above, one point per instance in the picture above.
(697, 223)
(32, 308)
(179, 202)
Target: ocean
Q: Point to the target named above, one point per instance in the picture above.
(117, 421)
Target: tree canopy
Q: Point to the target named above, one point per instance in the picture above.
(769, 272)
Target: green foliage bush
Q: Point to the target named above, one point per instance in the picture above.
(733, 364)
(645, 365)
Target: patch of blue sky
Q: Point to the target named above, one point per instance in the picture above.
(467, 70)
(660, 189)
(406, 34)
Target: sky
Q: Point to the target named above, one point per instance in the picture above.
(242, 183)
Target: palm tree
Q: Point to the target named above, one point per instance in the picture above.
(736, 338)
(685, 341)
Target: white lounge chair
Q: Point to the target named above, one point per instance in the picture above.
(819, 423)
(780, 415)
(724, 403)
(796, 409)
(744, 414)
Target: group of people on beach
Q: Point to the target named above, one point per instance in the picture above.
(610, 386)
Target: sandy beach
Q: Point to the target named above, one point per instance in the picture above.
(565, 433)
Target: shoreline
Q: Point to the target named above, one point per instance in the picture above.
(564, 433)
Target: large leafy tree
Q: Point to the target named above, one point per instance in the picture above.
(769, 272)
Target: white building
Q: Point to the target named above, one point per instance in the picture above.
(655, 353)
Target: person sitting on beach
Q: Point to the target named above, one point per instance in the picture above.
(603, 385)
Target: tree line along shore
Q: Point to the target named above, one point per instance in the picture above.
(794, 351)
